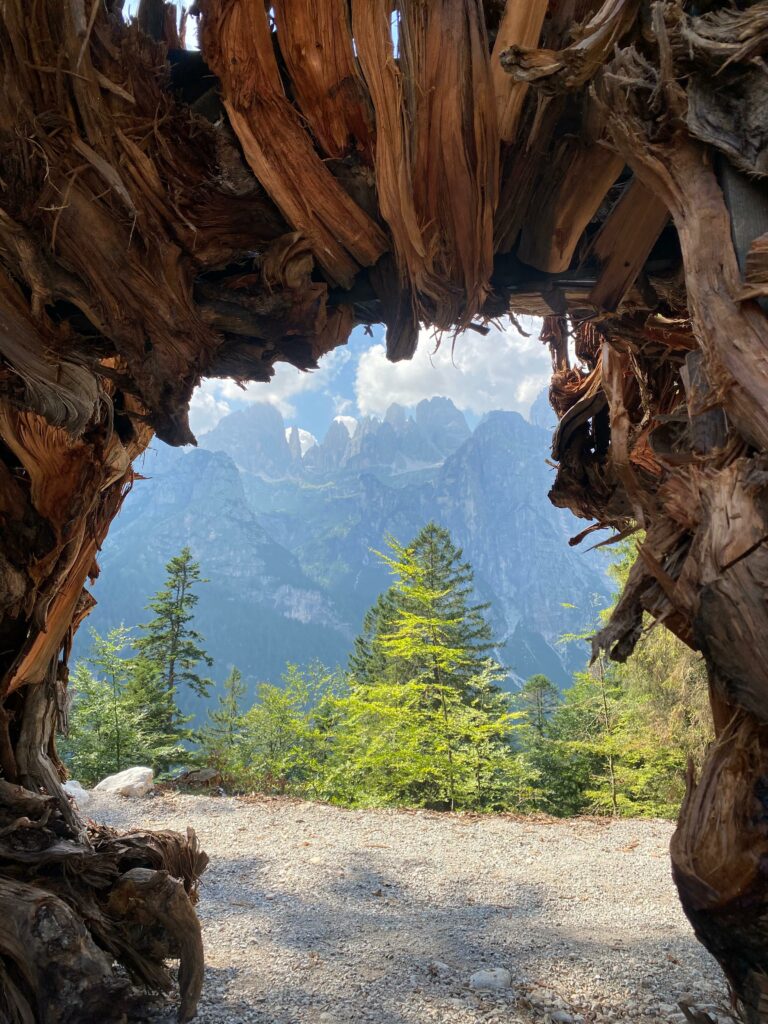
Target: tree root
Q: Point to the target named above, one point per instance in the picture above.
(75, 901)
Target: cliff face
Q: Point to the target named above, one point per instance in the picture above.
(286, 540)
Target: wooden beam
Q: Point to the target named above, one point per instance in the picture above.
(520, 26)
(624, 242)
(570, 192)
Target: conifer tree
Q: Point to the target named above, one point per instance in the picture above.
(104, 733)
(538, 699)
(425, 717)
(169, 728)
(290, 731)
(113, 723)
(224, 726)
(434, 594)
(169, 641)
(368, 661)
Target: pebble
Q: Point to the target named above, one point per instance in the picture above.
(320, 915)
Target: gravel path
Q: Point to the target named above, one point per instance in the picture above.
(316, 915)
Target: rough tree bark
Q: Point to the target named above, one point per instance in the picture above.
(167, 215)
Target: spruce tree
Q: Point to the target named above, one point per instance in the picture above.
(368, 661)
(434, 594)
(105, 729)
(168, 727)
(538, 699)
(224, 726)
(169, 641)
(426, 719)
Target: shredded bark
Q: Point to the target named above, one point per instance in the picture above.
(169, 215)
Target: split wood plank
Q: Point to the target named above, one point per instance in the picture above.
(624, 242)
(520, 26)
(315, 39)
(237, 43)
(570, 193)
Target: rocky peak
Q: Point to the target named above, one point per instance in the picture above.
(254, 438)
(294, 443)
(396, 416)
(542, 414)
(332, 451)
(442, 424)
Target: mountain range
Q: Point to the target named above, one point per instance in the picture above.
(285, 528)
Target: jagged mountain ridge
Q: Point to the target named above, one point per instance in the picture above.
(285, 538)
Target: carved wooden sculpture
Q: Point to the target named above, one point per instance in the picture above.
(168, 215)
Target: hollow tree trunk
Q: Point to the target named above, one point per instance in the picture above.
(160, 226)
(70, 896)
(720, 849)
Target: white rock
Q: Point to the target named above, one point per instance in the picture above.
(81, 796)
(494, 978)
(132, 782)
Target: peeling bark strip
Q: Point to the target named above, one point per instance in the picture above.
(237, 42)
(168, 215)
(436, 148)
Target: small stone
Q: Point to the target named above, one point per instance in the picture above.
(491, 979)
(81, 796)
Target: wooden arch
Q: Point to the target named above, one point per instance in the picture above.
(168, 215)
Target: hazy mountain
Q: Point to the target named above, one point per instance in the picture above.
(284, 531)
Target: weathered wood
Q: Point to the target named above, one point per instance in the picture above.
(708, 426)
(436, 149)
(576, 64)
(569, 193)
(315, 39)
(47, 952)
(623, 244)
(237, 44)
(720, 855)
(520, 27)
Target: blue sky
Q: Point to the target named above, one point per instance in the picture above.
(503, 370)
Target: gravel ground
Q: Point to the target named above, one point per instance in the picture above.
(316, 915)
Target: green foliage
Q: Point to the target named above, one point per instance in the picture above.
(222, 733)
(425, 722)
(169, 641)
(433, 628)
(287, 737)
(538, 699)
(420, 718)
(111, 727)
(621, 739)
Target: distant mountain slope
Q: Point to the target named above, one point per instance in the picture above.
(259, 609)
(285, 538)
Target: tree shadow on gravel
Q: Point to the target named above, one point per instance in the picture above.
(365, 936)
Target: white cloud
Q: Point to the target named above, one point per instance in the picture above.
(343, 406)
(206, 407)
(349, 422)
(501, 370)
(215, 398)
